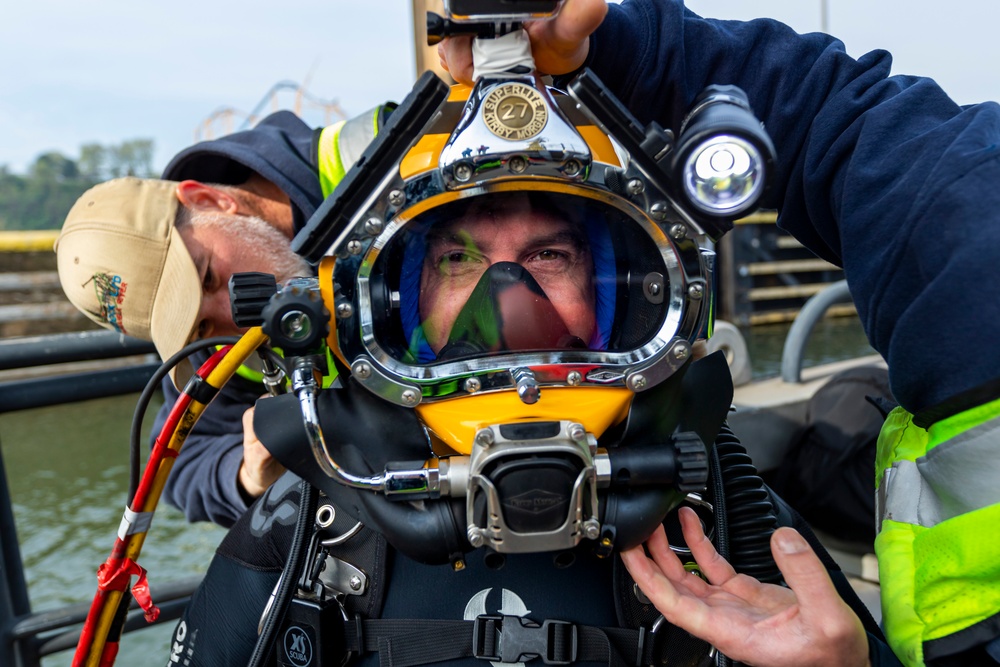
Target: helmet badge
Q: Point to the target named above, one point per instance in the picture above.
(514, 112)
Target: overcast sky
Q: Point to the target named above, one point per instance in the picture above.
(110, 70)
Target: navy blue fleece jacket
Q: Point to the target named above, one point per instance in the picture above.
(883, 175)
(282, 149)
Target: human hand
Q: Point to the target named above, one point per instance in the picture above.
(805, 625)
(259, 469)
(559, 45)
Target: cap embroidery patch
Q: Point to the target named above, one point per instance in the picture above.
(110, 292)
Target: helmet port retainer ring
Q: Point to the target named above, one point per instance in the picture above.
(669, 346)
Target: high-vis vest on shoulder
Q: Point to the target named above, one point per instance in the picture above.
(339, 147)
(341, 144)
(938, 543)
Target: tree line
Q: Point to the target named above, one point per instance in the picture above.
(40, 198)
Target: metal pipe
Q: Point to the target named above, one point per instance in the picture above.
(62, 348)
(805, 321)
(57, 390)
(305, 388)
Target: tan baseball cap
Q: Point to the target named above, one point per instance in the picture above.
(123, 263)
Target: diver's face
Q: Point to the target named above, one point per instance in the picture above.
(552, 250)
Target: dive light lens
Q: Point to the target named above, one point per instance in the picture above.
(725, 175)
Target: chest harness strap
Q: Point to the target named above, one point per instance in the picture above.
(509, 639)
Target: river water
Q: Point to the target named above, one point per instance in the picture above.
(68, 468)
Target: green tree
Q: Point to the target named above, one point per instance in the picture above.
(54, 166)
(41, 198)
(131, 158)
(93, 161)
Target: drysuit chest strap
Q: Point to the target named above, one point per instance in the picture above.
(498, 638)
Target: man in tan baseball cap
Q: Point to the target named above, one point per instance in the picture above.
(152, 258)
(137, 278)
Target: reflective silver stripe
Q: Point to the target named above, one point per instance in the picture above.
(134, 522)
(355, 136)
(958, 476)
(881, 499)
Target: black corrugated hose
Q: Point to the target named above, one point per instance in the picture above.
(744, 515)
(750, 514)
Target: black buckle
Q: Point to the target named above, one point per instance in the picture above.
(650, 643)
(518, 639)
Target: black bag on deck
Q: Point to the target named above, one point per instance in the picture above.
(829, 474)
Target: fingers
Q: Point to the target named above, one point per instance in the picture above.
(455, 54)
(820, 605)
(559, 45)
(651, 581)
(665, 559)
(562, 44)
(248, 432)
(259, 469)
(804, 573)
(672, 596)
(715, 568)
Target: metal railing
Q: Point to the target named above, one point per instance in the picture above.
(27, 637)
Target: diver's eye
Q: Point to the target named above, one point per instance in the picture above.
(458, 262)
(457, 256)
(550, 255)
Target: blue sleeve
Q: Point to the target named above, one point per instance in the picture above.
(883, 175)
(203, 480)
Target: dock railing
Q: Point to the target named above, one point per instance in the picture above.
(26, 636)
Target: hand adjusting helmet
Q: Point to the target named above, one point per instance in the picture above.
(509, 267)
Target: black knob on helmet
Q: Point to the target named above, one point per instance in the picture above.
(249, 293)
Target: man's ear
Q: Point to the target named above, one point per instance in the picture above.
(200, 197)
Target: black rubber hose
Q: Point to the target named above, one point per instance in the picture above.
(721, 515)
(146, 396)
(308, 499)
(154, 383)
(750, 513)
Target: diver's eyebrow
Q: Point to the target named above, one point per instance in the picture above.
(444, 237)
(565, 236)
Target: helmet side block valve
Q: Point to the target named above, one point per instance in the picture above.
(249, 294)
(295, 318)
